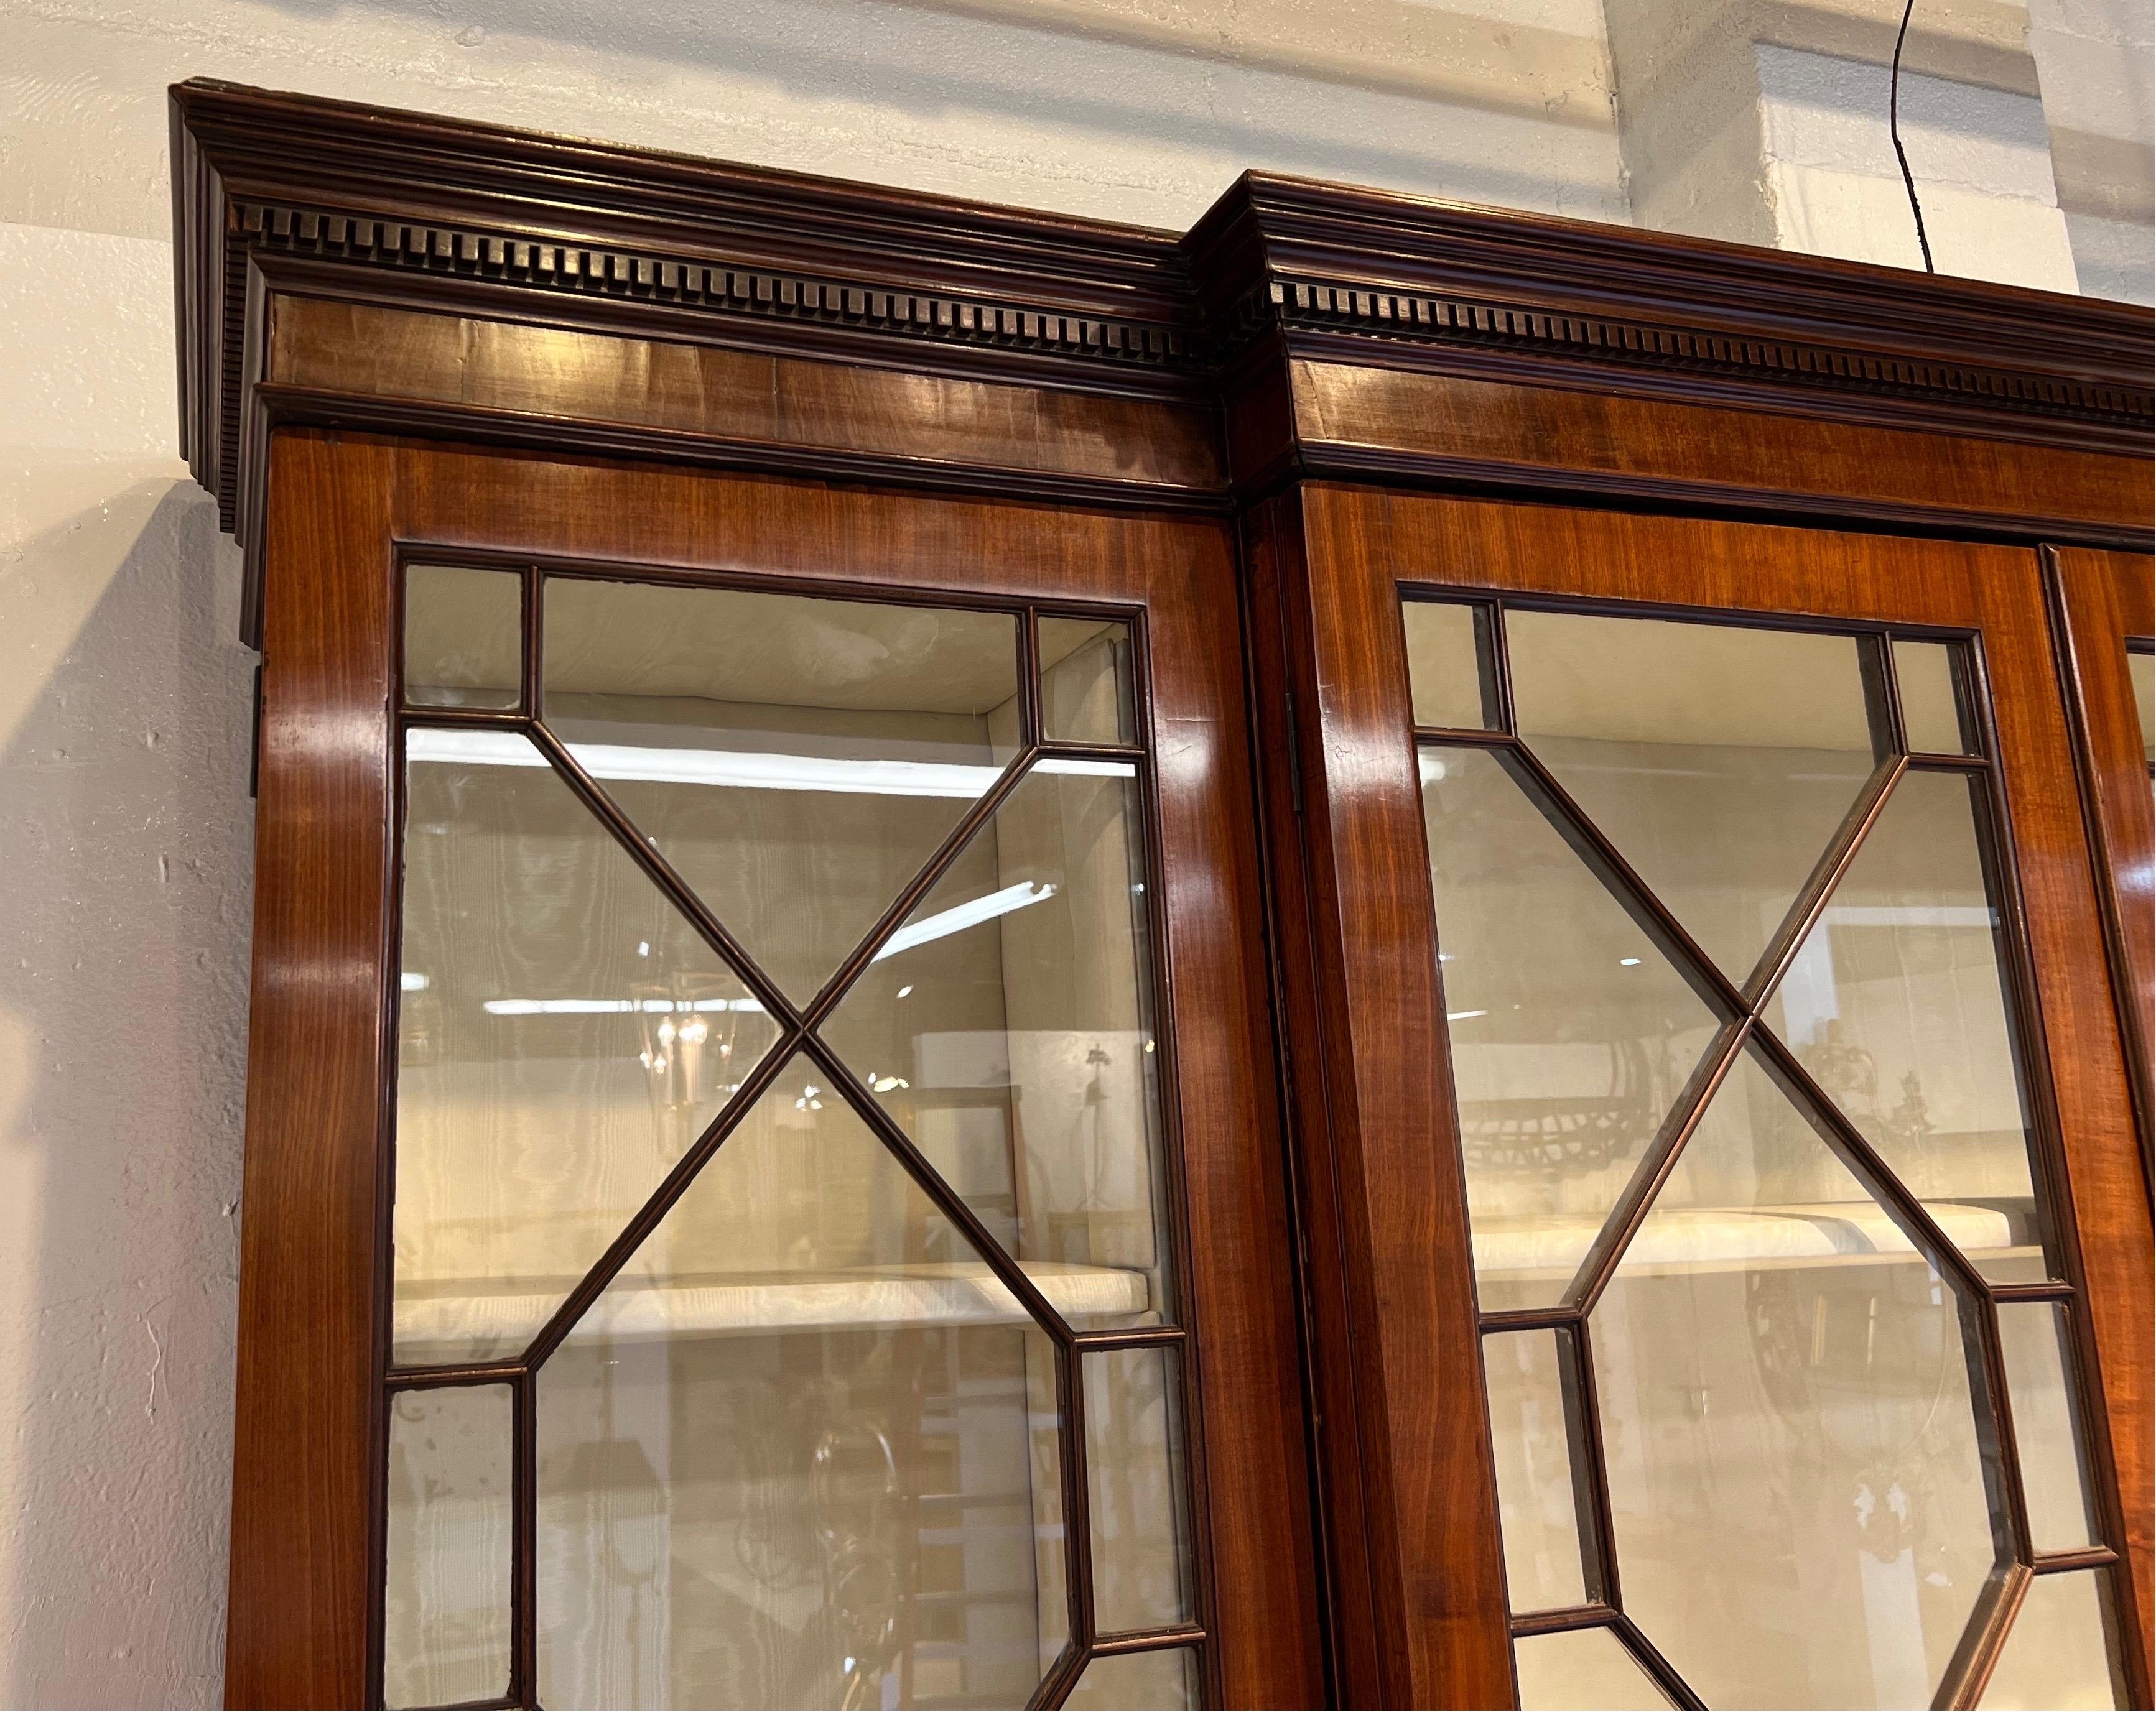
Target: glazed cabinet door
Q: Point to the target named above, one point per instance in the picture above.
(762, 1184)
(1743, 1237)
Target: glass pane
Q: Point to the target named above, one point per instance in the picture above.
(1572, 1034)
(1537, 1503)
(1897, 1004)
(2061, 1652)
(563, 1036)
(804, 1451)
(1086, 693)
(1931, 702)
(1584, 1669)
(798, 760)
(1719, 761)
(1134, 1459)
(2141, 667)
(1802, 1507)
(445, 1596)
(2033, 1336)
(1135, 1680)
(464, 637)
(1007, 1027)
(1448, 672)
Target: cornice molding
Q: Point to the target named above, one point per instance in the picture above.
(478, 221)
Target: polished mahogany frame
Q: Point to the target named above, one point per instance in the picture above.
(308, 1506)
(1012, 389)
(2104, 605)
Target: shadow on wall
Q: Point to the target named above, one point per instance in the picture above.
(125, 915)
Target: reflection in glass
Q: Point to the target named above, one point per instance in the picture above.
(1450, 677)
(539, 1101)
(1720, 761)
(2061, 1652)
(1797, 1485)
(445, 1600)
(1896, 1003)
(1570, 1032)
(1008, 1028)
(1127, 1682)
(1086, 681)
(1134, 1457)
(1537, 1503)
(1586, 1669)
(2141, 669)
(1926, 673)
(2033, 1336)
(463, 637)
(804, 1451)
(796, 760)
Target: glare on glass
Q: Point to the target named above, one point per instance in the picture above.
(1928, 675)
(2035, 1340)
(2141, 671)
(463, 637)
(804, 1450)
(1537, 1503)
(798, 760)
(445, 1630)
(1896, 1003)
(1719, 760)
(1127, 1682)
(1572, 1034)
(1451, 680)
(1008, 1027)
(2058, 1656)
(1140, 1513)
(1788, 1425)
(563, 1037)
(1086, 692)
(1585, 1669)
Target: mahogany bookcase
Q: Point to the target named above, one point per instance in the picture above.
(1298, 482)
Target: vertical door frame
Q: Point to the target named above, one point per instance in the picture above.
(2099, 601)
(1372, 1098)
(345, 512)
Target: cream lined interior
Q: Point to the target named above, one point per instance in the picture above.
(805, 1448)
(1795, 1468)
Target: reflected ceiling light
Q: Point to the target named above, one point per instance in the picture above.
(1462, 1015)
(946, 922)
(409, 982)
(744, 769)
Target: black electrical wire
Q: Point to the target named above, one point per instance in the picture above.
(1894, 131)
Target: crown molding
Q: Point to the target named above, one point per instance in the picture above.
(495, 225)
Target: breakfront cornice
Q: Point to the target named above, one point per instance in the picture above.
(339, 263)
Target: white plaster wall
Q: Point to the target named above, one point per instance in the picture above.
(1765, 122)
(2097, 62)
(125, 849)
(1981, 158)
(124, 917)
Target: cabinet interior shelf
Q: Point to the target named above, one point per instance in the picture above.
(436, 1321)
